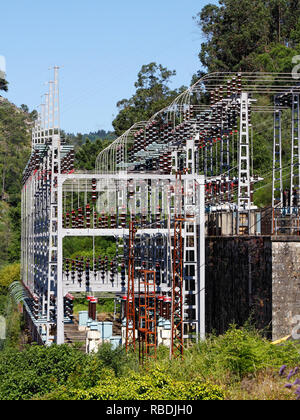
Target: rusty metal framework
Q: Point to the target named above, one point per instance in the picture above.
(177, 340)
(177, 290)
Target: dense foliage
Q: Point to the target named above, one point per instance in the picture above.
(100, 135)
(38, 370)
(84, 247)
(86, 155)
(8, 275)
(79, 139)
(155, 385)
(14, 152)
(3, 84)
(152, 94)
(239, 32)
(8, 309)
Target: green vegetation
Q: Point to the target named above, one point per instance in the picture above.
(244, 35)
(86, 155)
(105, 305)
(100, 135)
(79, 139)
(152, 94)
(155, 385)
(14, 152)
(237, 365)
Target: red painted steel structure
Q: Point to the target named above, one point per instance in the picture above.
(130, 307)
(178, 274)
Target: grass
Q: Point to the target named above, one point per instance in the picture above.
(265, 385)
(243, 363)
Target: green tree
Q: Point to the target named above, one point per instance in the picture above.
(8, 275)
(14, 150)
(3, 84)
(237, 31)
(24, 108)
(152, 94)
(14, 153)
(86, 155)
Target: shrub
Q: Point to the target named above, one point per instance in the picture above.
(8, 275)
(39, 370)
(115, 359)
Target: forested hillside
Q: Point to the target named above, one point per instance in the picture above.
(15, 144)
(250, 35)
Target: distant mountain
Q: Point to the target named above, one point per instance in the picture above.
(79, 139)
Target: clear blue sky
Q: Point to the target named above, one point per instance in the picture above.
(100, 45)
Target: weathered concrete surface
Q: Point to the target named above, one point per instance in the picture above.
(285, 284)
(238, 282)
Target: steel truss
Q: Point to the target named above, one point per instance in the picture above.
(130, 309)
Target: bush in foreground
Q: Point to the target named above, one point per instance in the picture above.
(155, 385)
(39, 370)
(237, 365)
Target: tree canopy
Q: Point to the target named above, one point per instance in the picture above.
(152, 94)
(236, 32)
(86, 155)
